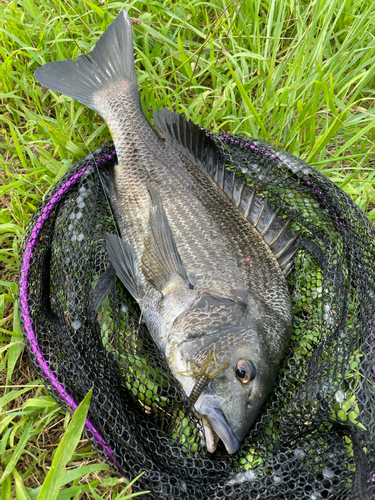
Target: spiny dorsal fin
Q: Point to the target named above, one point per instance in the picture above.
(160, 259)
(122, 257)
(192, 141)
(189, 139)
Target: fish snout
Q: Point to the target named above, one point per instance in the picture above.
(211, 410)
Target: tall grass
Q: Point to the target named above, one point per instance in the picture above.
(295, 73)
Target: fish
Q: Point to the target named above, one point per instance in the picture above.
(203, 254)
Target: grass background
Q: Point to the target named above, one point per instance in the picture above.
(296, 73)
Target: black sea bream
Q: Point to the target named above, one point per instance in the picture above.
(197, 247)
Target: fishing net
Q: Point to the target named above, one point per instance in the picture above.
(315, 436)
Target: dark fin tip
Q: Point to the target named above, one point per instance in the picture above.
(315, 251)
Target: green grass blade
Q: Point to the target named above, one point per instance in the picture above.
(355, 138)
(325, 138)
(17, 145)
(17, 452)
(64, 452)
(95, 496)
(21, 492)
(17, 347)
(249, 104)
(121, 495)
(6, 489)
(70, 476)
(7, 398)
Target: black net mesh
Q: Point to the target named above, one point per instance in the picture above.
(315, 436)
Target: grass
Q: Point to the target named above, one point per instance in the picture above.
(295, 73)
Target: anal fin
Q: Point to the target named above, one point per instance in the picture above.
(160, 260)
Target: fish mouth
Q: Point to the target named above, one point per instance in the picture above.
(211, 410)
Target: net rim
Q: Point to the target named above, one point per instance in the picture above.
(35, 350)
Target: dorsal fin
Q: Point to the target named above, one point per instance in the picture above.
(189, 139)
(193, 142)
(160, 259)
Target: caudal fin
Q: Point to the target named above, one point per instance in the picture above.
(111, 60)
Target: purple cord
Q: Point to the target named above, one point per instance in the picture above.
(25, 311)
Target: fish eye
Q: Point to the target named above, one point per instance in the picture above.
(245, 370)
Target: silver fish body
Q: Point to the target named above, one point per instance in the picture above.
(212, 293)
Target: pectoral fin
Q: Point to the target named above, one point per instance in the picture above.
(122, 258)
(160, 259)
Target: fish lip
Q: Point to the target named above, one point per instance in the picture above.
(211, 409)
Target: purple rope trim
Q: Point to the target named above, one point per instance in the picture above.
(227, 139)
(25, 312)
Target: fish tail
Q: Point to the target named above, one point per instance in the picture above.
(111, 60)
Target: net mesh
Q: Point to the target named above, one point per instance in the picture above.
(314, 437)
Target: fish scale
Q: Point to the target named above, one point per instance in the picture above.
(147, 161)
(217, 258)
(262, 275)
(212, 293)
